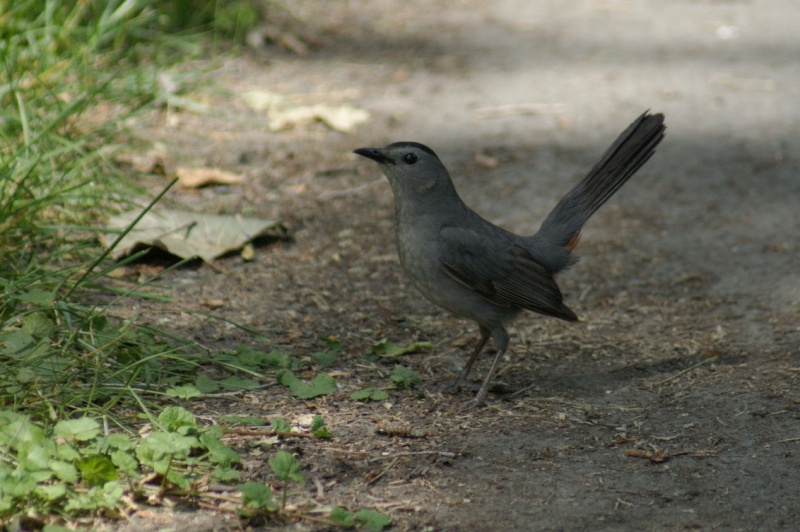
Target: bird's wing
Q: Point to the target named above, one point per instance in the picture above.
(502, 271)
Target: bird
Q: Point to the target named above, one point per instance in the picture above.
(476, 270)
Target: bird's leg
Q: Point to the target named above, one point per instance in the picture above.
(501, 339)
(485, 335)
(481, 395)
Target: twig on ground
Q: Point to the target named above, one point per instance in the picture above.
(685, 371)
(377, 477)
(447, 454)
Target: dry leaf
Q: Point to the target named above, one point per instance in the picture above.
(284, 115)
(199, 177)
(343, 118)
(248, 253)
(187, 234)
(259, 100)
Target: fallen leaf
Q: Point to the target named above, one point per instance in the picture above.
(285, 113)
(187, 234)
(343, 118)
(248, 253)
(199, 177)
(656, 456)
(305, 420)
(259, 100)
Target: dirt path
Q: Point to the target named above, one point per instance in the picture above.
(675, 404)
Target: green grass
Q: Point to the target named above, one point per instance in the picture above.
(71, 74)
(66, 66)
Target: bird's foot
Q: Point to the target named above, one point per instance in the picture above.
(476, 402)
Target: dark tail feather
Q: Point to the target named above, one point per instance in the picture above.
(629, 152)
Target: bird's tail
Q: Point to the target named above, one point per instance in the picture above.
(561, 229)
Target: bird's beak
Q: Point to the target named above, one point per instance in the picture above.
(373, 153)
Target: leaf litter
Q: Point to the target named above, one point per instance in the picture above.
(188, 234)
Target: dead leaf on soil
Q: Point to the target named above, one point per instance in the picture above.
(657, 456)
(188, 234)
(284, 112)
(342, 118)
(199, 177)
(259, 100)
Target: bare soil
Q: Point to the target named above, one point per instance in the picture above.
(674, 404)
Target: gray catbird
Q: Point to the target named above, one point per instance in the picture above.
(476, 270)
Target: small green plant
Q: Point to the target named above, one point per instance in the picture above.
(76, 469)
(387, 349)
(284, 465)
(280, 425)
(256, 497)
(362, 519)
(37, 471)
(328, 356)
(255, 359)
(179, 451)
(404, 377)
(321, 384)
(369, 394)
(244, 420)
(319, 428)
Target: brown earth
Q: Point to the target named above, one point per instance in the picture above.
(674, 403)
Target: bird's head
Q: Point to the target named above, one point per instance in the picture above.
(414, 171)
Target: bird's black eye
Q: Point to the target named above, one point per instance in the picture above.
(410, 158)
